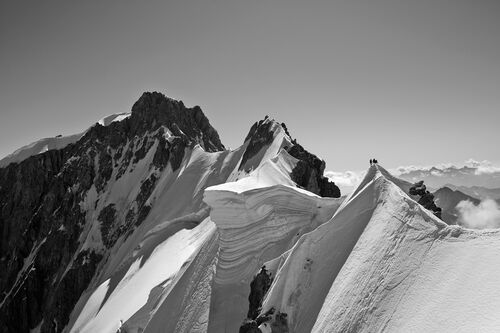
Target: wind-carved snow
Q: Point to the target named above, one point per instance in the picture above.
(258, 218)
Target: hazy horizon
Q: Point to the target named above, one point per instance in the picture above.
(410, 83)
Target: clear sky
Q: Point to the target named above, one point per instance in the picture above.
(406, 81)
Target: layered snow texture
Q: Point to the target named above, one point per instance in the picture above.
(256, 223)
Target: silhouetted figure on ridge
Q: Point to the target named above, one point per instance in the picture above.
(371, 162)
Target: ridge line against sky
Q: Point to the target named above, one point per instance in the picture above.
(349, 179)
(407, 82)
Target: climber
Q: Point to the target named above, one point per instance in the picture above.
(371, 161)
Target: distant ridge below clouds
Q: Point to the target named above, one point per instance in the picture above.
(472, 173)
(478, 191)
(347, 181)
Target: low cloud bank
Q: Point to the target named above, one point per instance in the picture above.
(483, 216)
(347, 181)
(347, 178)
(480, 168)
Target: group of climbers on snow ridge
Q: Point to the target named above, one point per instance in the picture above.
(373, 161)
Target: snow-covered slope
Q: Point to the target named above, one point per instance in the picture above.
(258, 218)
(147, 224)
(57, 142)
(384, 263)
(178, 271)
(39, 147)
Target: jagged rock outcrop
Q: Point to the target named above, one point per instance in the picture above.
(153, 110)
(249, 326)
(45, 211)
(308, 173)
(260, 135)
(258, 289)
(426, 197)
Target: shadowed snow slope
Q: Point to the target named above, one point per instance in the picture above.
(384, 263)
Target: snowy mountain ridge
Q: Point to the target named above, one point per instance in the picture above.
(57, 142)
(148, 224)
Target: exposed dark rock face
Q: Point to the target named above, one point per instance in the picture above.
(426, 198)
(249, 326)
(41, 221)
(258, 289)
(153, 110)
(109, 231)
(259, 136)
(278, 322)
(43, 267)
(308, 173)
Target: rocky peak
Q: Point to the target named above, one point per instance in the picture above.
(426, 198)
(308, 173)
(261, 134)
(41, 215)
(154, 109)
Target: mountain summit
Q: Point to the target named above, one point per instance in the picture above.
(78, 216)
(146, 223)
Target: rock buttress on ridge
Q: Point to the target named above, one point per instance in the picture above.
(308, 173)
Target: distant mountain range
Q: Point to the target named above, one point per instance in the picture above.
(478, 191)
(448, 199)
(466, 176)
